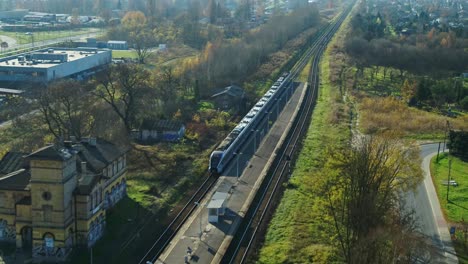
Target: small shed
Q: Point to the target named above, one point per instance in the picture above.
(117, 45)
(159, 130)
(231, 97)
(217, 206)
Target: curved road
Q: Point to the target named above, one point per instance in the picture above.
(430, 219)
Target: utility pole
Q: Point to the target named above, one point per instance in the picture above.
(445, 135)
(91, 261)
(448, 180)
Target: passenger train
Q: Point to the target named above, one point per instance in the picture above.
(236, 138)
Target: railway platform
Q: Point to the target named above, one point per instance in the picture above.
(201, 241)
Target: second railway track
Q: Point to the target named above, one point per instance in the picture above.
(248, 236)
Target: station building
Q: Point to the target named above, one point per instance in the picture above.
(56, 197)
(43, 66)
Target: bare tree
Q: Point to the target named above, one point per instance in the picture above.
(65, 108)
(123, 87)
(363, 199)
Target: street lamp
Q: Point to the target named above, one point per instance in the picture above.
(201, 215)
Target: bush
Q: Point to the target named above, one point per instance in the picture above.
(464, 103)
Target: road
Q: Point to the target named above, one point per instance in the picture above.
(429, 216)
(38, 44)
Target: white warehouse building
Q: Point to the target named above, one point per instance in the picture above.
(43, 66)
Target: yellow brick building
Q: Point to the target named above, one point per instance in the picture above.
(56, 197)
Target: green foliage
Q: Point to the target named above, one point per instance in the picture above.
(117, 54)
(464, 103)
(241, 57)
(458, 143)
(205, 105)
(455, 209)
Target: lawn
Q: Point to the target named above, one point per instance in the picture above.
(131, 54)
(39, 36)
(457, 208)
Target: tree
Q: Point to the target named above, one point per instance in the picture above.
(65, 108)
(364, 195)
(139, 35)
(124, 88)
(167, 86)
(408, 91)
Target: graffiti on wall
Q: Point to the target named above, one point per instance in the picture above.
(46, 252)
(116, 194)
(7, 233)
(96, 230)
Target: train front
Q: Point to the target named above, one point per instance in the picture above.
(215, 158)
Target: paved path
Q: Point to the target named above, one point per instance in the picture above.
(428, 212)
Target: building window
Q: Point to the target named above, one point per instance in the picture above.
(109, 171)
(115, 167)
(46, 196)
(91, 202)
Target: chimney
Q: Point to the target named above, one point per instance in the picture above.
(83, 168)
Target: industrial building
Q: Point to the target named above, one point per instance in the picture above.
(43, 66)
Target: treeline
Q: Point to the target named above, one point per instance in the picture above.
(416, 59)
(235, 60)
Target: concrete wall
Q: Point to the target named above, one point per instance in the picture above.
(83, 64)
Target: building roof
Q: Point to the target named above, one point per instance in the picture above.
(232, 90)
(97, 153)
(17, 180)
(217, 200)
(161, 125)
(47, 58)
(117, 42)
(12, 161)
(86, 183)
(10, 91)
(25, 200)
(52, 152)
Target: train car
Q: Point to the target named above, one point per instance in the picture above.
(225, 151)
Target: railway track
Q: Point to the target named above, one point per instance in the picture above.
(166, 236)
(249, 234)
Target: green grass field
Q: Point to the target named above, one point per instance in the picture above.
(131, 54)
(457, 208)
(39, 36)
